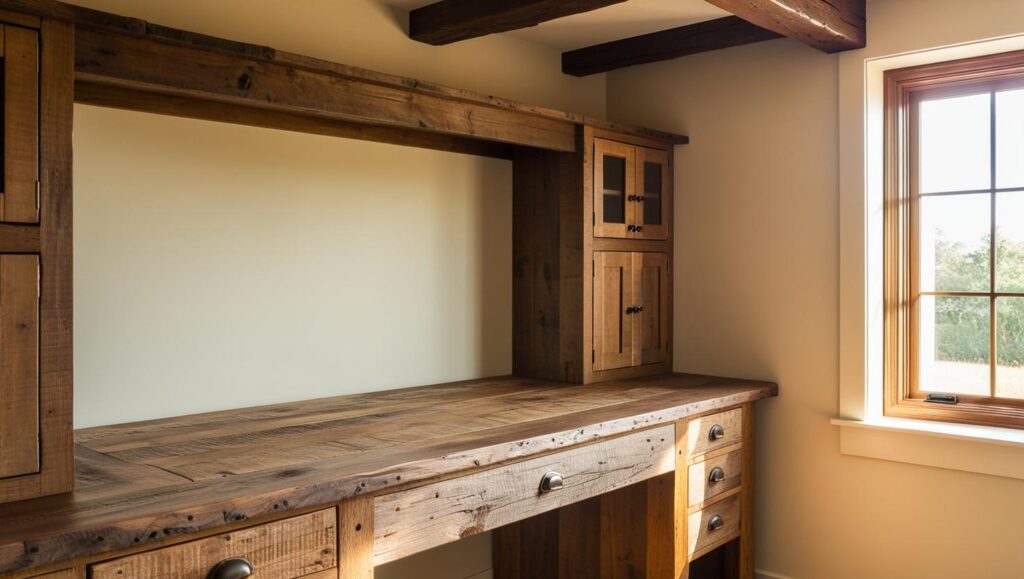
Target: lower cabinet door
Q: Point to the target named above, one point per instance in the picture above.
(652, 289)
(19, 365)
(613, 310)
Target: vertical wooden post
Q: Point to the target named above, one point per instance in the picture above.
(746, 550)
(681, 568)
(355, 537)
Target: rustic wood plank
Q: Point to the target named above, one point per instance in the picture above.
(411, 521)
(75, 573)
(613, 293)
(450, 21)
(702, 538)
(702, 489)
(58, 529)
(189, 71)
(280, 550)
(664, 45)
(356, 538)
(747, 539)
(828, 25)
(700, 440)
(19, 365)
(21, 125)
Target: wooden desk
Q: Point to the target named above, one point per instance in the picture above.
(332, 487)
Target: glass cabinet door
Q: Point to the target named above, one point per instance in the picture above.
(614, 183)
(19, 130)
(652, 197)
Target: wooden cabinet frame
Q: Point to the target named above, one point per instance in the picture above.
(635, 196)
(630, 309)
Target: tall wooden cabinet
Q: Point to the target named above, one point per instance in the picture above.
(592, 256)
(35, 257)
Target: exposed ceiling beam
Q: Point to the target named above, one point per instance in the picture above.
(664, 45)
(828, 25)
(450, 21)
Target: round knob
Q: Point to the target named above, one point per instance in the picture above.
(715, 522)
(638, 228)
(234, 568)
(552, 481)
(631, 228)
(639, 197)
(717, 475)
(716, 432)
(638, 309)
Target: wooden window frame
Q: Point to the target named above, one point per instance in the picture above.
(904, 89)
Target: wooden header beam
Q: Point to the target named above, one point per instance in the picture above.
(828, 25)
(450, 21)
(664, 45)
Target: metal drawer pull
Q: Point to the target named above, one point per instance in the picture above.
(716, 432)
(717, 475)
(234, 568)
(552, 481)
(715, 522)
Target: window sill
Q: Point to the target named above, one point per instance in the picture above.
(979, 449)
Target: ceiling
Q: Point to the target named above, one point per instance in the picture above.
(621, 20)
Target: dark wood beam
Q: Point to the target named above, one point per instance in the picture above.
(664, 45)
(828, 25)
(450, 21)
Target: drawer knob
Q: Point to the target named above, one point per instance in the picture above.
(552, 481)
(716, 432)
(717, 475)
(715, 522)
(234, 568)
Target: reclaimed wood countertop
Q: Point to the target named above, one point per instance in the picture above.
(143, 482)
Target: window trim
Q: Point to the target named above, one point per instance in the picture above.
(903, 88)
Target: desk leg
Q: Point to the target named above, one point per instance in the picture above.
(746, 554)
(355, 537)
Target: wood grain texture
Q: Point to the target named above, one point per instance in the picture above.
(701, 539)
(75, 573)
(731, 422)
(356, 524)
(651, 292)
(19, 365)
(747, 538)
(828, 25)
(21, 125)
(284, 549)
(450, 21)
(613, 326)
(259, 468)
(664, 45)
(411, 521)
(702, 489)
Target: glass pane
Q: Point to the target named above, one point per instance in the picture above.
(1010, 347)
(614, 193)
(953, 336)
(954, 245)
(1010, 139)
(1010, 242)
(955, 144)
(652, 193)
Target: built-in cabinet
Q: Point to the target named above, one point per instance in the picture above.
(593, 252)
(36, 57)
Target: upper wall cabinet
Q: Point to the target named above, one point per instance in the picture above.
(19, 52)
(632, 197)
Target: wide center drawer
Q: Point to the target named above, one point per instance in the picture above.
(411, 521)
(285, 549)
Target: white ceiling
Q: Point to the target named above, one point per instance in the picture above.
(621, 20)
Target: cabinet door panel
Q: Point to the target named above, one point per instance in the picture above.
(21, 125)
(652, 289)
(613, 293)
(19, 365)
(653, 205)
(614, 184)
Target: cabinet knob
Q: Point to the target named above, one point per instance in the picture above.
(638, 228)
(638, 309)
(639, 197)
(716, 432)
(234, 568)
(715, 522)
(717, 475)
(552, 481)
(631, 228)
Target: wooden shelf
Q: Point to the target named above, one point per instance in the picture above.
(154, 481)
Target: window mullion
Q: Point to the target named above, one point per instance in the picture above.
(992, 346)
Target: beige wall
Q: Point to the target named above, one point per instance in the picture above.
(222, 266)
(758, 296)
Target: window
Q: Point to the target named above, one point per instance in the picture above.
(954, 241)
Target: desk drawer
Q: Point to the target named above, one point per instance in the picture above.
(713, 476)
(285, 549)
(714, 431)
(411, 521)
(715, 524)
